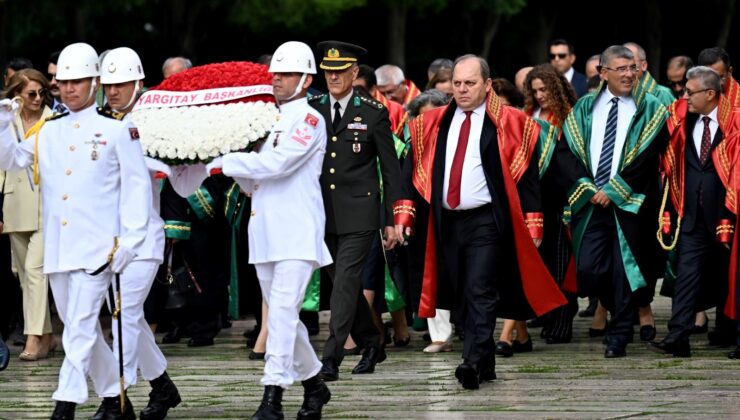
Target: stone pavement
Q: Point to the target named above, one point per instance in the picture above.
(555, 381)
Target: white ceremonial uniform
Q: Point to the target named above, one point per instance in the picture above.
(286, 232)
(94, 187)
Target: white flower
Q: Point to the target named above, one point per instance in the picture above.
(203, 132)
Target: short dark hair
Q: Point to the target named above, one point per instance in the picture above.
(681, 61)
(367, 73)
(505, 88)
(54, 57)
(561, 41)
(709, 56)
(19, 63)
(485, 70)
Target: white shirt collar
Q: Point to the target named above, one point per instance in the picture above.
(607, 96)
(92, 109)
(712, 115)
(569, 74)
(343, 102)
(479, 110)
(289, 106)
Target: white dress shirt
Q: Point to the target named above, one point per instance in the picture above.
(343, 102)
(699, 129)
(569, 74)
(625, 112)
(473, 187)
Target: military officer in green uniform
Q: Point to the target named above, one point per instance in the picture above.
(359, 141)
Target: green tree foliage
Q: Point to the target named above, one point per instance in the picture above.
(296, 15)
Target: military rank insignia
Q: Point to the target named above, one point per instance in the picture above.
(134, 132)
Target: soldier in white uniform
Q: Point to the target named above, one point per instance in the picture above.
(94, 188)
(121, 75)
(286, 229)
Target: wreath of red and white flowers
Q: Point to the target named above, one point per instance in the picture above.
(205, 112)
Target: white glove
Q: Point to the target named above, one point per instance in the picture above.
(7, 112)
(156, 166)
(215, 163)
(121, 259)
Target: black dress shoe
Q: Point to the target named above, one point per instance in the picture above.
(315, 395)
(111, 409)
(4, 355)
(64, 410)
(164, 395)
(720, 338)
(524, 347)
(401, 343)
(173, 336)
(504, 349)
(330, 370)
(487, 373)
(648, 333)
(371, 357)
(614, 352)
(256, 355)
(200, 342)
(535, 323)
(271, 407)
(468, 376)
(735, 354)
(596, 332)
(675, 348)
(700, 329)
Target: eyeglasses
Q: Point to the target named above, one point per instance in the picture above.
(51, 76)
(623, 69)
(32, 94)
(691, 93)
(558, 55)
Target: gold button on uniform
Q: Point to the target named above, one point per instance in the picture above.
(65, 196)
(72, 148)
(332, 186)
(369, 193)
(333, 154)
(64, 222)
(331, 170)
(333, 138)
(68, 172)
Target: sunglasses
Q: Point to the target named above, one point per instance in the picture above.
(34, 93)
(558, 55)
(681, 83)
(51, 76)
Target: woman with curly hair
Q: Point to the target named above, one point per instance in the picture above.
(547, 96)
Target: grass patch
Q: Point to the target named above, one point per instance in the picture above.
(538, 369)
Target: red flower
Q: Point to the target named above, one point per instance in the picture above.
(219, 75)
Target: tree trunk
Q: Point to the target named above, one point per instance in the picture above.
(728, 12)
(544, 27)
(396, 41)
(493, 21)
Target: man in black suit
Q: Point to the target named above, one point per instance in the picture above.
(703, 241)
(562, 57)
(359, 137)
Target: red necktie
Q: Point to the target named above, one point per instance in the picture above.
(453, 190)
(706, 142)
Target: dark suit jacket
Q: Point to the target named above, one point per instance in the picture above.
(580, 83)
(349, 179)
(702, 180)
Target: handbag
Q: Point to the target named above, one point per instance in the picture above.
(182, 285)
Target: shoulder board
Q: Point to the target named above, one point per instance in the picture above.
(316, 97)
(56, 116)
(369, 102)
(110, 114)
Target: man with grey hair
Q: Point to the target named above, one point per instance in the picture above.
(427, 100)
(394, 85)
(483, 199)
(609, 161)
(174, 65)
(645, 81)
(697, 186)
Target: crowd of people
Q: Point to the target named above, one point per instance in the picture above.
(449, 207)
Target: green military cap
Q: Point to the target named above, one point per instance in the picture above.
(339, 55)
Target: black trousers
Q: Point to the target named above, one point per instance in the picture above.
(699, 257)
(471, 247)
(350, 312)
(601, 272)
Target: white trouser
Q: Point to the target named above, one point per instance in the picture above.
(140, 350)
(78, 298)
(440, 328)
(289, 356)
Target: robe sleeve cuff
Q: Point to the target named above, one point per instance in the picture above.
(160, 175)
(725, 230)
(535, 224)
(621, 194)
(580, 194)
(175, 229)
(202, 204)
(404, 213)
